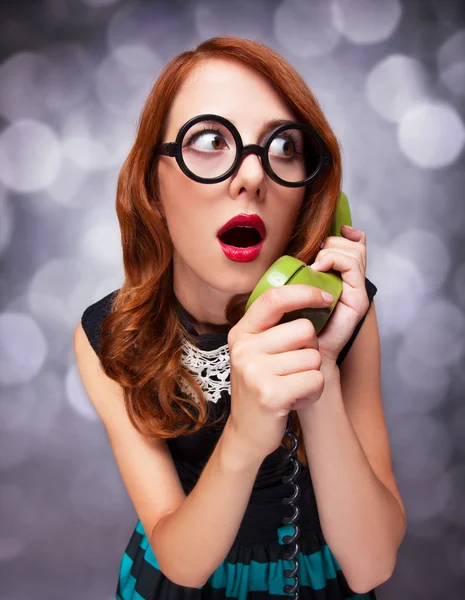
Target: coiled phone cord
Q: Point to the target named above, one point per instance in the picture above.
(291, 501)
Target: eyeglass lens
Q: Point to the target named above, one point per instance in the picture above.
(209, 150)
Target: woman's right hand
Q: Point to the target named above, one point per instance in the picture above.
(273, 368)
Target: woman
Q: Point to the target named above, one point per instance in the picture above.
(182, 360)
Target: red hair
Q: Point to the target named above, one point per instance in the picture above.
(142, 336)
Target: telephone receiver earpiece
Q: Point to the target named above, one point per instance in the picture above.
(288, 270)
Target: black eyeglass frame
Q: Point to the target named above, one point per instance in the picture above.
(175, 149)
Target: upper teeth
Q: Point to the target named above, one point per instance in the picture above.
(247, 226)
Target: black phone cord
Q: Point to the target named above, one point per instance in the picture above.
(292, 520)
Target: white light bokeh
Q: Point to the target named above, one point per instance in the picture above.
(401, 284)
(459, 284)
(77, 396)
(124, 79)
(6, 220)
(454, 512)
(434, 341)
(165, 27)
(97, 494)
(23, 348)
(431, 135)
(15, 449)
(101, 238)
(11, 501)
(21, 86)
(95, 139)
(428, 251)
(451, 63)
(365, 21)
(59, 290)
(99, 3)
(242, 18)
(305, 29)
(30, 410)
(424, 444)
(67, 184)
(429, 498)
(396, 84)
(30, 156)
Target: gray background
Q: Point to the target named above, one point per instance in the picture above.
(390, 76)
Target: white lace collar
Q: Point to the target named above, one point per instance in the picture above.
(210, 368)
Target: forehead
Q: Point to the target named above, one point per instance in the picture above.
(230, 89)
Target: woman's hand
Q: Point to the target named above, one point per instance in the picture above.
(349, 257)
(273, 368)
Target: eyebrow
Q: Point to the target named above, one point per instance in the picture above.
(272, 124)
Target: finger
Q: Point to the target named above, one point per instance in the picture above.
(352, 233)
(352, 272)
(293, 335)
(306, 384)
(296, 361)
(268, 309)
(356, 250)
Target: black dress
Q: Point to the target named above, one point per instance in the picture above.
(254, 567)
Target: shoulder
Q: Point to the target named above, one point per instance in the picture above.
(371, 291)
(93, 317)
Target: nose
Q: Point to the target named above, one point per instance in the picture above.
(250, 175)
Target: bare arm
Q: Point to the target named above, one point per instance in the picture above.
(190, 536)
(200, 533)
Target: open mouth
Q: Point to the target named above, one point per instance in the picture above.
(241, 237)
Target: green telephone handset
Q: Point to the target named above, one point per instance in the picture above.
(288, 269)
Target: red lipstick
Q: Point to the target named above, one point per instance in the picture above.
(249, 253)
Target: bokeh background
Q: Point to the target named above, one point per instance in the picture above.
(390, 76)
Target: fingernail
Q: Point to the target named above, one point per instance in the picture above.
(327, 297)
(316, 265)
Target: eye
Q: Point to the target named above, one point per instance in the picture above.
(285, 145)
(207, 139)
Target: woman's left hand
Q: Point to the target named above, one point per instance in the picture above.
(348, 255)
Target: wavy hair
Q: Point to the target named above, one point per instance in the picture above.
(142, 335)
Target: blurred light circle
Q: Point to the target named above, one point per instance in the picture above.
(6, 221)
(87, 153)
(402, 284)
(165, 26)
(21, 77)
(99, 3)
(11, 500)
(101, 239)
(429, 498)
(454, 512)
(125, 77)
(396, 84)
(15, 449)
(459, 284)
(30, 156)
(65, 188)
(94, 139)
(60, 289)
(77, 395)
(242, 18)
(305, 29)
(431, 135)
(440, 327)
(97, 493)
(428, 251)
(412, 370)
(423, 443)
(451, 62)
(365, 21)
(23, 348)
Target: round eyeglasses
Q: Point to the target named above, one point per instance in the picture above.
(209, 149)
